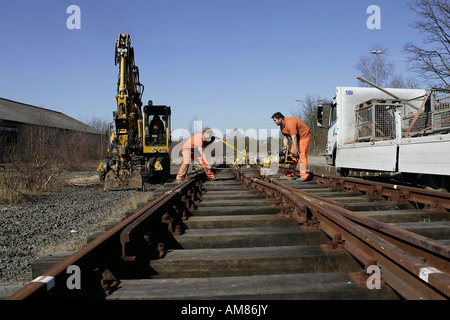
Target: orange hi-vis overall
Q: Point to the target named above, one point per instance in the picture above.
(193, 148)
(294, 126)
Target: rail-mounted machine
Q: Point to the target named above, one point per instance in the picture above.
(138, 149)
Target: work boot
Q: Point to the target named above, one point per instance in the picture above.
(303, 179)
(286, 178)
(178, 181)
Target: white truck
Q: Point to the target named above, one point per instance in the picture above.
(390, 130)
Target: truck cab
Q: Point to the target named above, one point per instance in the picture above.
(330, 148)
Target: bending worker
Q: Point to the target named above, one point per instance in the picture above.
(298, 132)
(193, 149)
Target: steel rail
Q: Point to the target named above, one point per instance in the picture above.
(93, 257)
(406, 274)
(433, 200)
(187, 192)
(433, 252)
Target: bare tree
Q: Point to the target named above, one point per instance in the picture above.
(307, 112)
(432, 60)
(398, 81)
(370, 67)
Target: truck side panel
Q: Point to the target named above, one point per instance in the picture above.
(367, 157)
(430, 154)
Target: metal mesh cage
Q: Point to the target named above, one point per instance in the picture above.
(427, 115)
(376, 119)
(441, 114)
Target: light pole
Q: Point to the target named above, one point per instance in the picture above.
(377, 71)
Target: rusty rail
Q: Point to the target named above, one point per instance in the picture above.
(432, 200)
(95, 258)
(406, 273)
(431, 251)
(187, 193)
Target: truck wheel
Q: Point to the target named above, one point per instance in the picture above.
(436, 182)
(342, 172)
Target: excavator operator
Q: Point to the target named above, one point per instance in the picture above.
(156, 125)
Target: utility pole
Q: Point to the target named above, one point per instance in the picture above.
(377, 71)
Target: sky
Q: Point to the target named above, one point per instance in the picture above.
(228, 63)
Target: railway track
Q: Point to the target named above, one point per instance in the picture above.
(247, 236)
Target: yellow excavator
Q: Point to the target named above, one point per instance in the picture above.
(138, 149)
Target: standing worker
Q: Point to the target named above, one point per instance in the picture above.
(299, 133)
(193, 149)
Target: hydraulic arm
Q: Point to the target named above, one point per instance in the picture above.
(126, 141)
(139, 146)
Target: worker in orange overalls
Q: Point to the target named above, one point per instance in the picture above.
(193, 149)
(298, 132)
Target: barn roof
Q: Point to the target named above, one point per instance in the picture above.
(29, 114)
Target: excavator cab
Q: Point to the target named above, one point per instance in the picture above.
(156, 136)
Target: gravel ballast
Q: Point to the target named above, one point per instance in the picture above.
(60, 221)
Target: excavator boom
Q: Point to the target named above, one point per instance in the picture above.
(127, 141)
(138, 149)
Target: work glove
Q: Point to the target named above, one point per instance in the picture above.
(295, 154)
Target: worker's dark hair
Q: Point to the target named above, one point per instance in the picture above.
(277, 115)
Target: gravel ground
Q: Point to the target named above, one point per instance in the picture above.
(57, 222)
